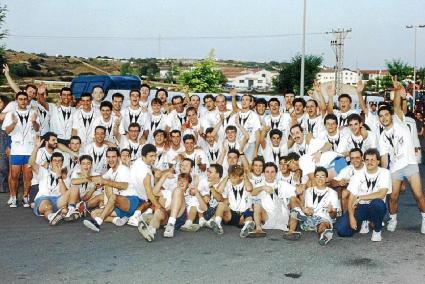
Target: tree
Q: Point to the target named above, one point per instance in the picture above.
(203, 78)
(386, 82)
(3, 34)
(128, 69)
(150, 70)
(398, 68)
(370, 85)
(289, 75)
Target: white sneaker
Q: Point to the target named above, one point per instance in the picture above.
(119, 222)
(365, 228)
(423, 226)
(326, 237)
(190, 228)
(146, 231)
(202, 223)
(169, 231)
(25, 202)
(13, 202)
(134, 220)
(248, 227)
(208, 223)
(71, 215)
(392, 224)
(376, 236)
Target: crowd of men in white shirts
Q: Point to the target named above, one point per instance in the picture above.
(173, 163)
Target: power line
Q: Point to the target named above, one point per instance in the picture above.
(201, 37)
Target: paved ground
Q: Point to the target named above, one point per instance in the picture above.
(33, 252)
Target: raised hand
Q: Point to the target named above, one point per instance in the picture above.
(5, 69)
(330, 90)
(317, 86)
(360, 87)
(38, 142)
(233, 92)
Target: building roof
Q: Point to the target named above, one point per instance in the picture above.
(371, 71)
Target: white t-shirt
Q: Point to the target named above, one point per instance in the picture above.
(44, 118)
(129, 115)
(42, 157)
(398, 144)
(281, 122)
(49, 183)
(134, 147)
(273, 154)
(363, 183)
(239, 198)
(84, 188)
(351, 141)
(335, 139)
(155, 122)
(121, 174)
(139, 170)
(175, 120)
(61, 120)
(313, 125)
(83, 122)
(342, 117)
(23, 134)
(99, 157)
(198, 153)
(319, 200)
(348, 172)
(251, 122)
(109, 125)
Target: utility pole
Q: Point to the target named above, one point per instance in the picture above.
(338, 47)
(303, 52)
(159, 46)
(414, 61)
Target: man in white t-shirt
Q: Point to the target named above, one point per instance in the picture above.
(398, 151)
(236, 208)
(21, 125)
(341, 181)
(368, 189)
(54, 200)
(134, 113)
(122, 197)
(106, 120)
(320, 208)
(61, 116)
(83, 120)
(97, 150)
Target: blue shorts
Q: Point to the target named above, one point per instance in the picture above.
(338, 164)
(19, 160)
(209, 213)
(134, 203)
(180, 220)
(52, 199)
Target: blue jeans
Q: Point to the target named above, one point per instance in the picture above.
(373, 212)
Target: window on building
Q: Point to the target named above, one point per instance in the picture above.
(263, 75)
(241, 81)
(260, 81)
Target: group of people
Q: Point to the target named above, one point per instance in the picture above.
(153, 162)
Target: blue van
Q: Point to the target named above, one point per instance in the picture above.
(110, 83)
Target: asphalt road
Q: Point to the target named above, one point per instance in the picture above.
(33, 252)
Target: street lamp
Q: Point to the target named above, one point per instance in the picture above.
(414, 27)
(303, 53)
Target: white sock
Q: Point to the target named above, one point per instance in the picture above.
(393, 217)
(50, 216)
(218, 220)
(152, 229)
(188, 223)
(115, 219)
(172, 221)
(137, 213)
(423, 215)
(98, 220)
(202, 220)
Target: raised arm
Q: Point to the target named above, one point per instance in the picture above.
(319, 97)
(399, 90)
(330, 90)
(235, 107)
(31, 162)
(359, 91)
(9, 79)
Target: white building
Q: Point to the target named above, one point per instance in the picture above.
(348, 77)
(374, 74)
(250, 80)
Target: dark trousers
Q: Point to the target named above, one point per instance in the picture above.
(373, 212)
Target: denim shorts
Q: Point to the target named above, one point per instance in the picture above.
(52, 199)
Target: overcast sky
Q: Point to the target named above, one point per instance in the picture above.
(190, 28)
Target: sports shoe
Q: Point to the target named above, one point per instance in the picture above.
(148, 214)
(92, 225)
(423, 226)
(365, 228)
(326, 237)
(12, 202)
(117, 221)
(57, 218)
(291, 236)
(190, 228)
(82, 208)
(134, 221)
(218, 229)
(169, 231)
(248, 227)
(392, 224)
(296, 213)
(25, 202)
(202, 223)
(71, 215)
(208, 224)
(376, 236)
(146, 231)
